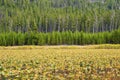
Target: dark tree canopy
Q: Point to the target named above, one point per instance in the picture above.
(59, 15)
(57, 22)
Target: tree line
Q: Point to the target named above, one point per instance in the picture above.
(59, 15)
(59, 38)
(59, 22)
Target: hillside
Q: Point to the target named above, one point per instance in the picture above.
(59, 22)
(59, 15)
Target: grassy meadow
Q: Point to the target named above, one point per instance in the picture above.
(98, 62)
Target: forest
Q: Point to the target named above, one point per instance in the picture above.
(44, 22)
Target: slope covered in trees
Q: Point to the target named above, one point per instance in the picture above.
(59, 15)
(56, 22)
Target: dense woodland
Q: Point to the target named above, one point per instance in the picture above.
(26, 22)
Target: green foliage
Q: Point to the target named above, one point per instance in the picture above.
(41, 39)
(59, 15)
(58, 22)
(115, 36)
(59, 38)
(20, 39)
